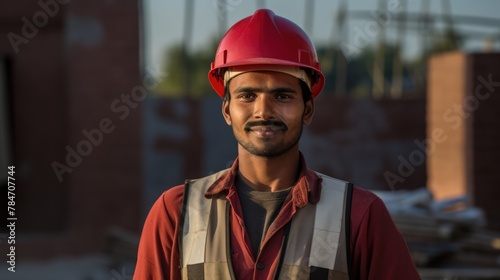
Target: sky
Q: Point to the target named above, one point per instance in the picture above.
(164, 21)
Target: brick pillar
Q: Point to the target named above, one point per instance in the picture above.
(446, 167)
(105, 92)
(464, 128)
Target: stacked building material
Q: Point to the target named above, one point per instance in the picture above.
(445, 236)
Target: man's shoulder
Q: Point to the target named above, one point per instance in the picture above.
(329, 180)
(366, 205)
(172, 196)
(359, 195)
(176, 193)
(362, 200)
(362, 196)
(169, 200)
(211, 177)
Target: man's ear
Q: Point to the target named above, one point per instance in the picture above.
(308, 112)
(225, 112)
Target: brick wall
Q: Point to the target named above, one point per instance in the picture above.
(464, 97)
(83, 56)
(484, 152)
(39, 115)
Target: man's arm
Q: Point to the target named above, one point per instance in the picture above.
(378, 249)
(158, 252)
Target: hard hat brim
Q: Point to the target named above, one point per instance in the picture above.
(216, 75)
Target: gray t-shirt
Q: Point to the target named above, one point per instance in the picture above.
(259, 210)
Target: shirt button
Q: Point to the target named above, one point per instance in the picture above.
(260, 266)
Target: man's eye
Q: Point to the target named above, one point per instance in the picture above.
(247, 96)
(283, 96)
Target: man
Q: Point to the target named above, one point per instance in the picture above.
(269, 216)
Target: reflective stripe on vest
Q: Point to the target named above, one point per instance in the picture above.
(315, 247)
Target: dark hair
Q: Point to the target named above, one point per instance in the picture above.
(306, 92)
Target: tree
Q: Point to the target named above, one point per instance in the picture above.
(179, 63)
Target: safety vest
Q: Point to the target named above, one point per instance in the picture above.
(315, 248)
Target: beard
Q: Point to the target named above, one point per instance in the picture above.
(269, 148)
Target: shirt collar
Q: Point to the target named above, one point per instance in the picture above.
(307, 189)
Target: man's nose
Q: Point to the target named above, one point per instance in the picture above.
(264, 107)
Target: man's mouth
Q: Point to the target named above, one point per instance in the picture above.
(265, 128)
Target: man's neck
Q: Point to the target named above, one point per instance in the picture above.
(269, 174)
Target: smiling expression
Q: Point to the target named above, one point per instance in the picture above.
(267, 112)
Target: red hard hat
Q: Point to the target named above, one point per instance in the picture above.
(265, 38)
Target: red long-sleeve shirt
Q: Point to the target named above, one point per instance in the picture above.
(377, 248)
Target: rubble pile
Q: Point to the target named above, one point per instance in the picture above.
(448, 235)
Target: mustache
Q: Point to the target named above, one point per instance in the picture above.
(278, 124)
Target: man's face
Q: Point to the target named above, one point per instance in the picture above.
(266, 112)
